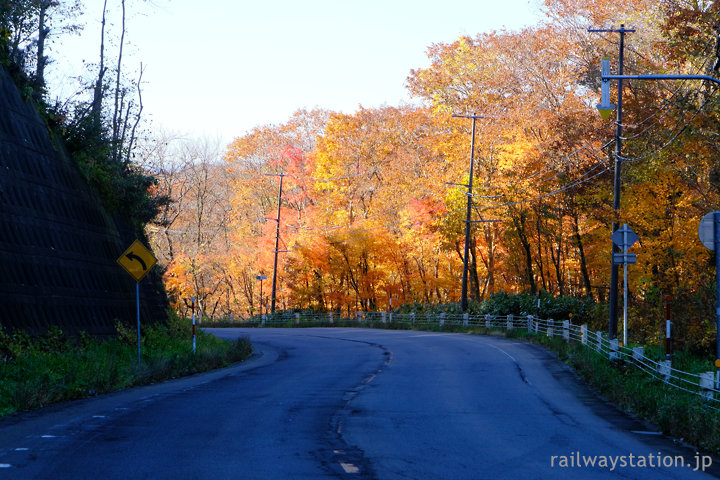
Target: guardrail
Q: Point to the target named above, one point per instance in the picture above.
(704, 384)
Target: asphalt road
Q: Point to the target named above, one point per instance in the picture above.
(351, 404)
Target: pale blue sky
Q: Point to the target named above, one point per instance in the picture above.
(218, 68)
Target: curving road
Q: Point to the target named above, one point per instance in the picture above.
(351, 404)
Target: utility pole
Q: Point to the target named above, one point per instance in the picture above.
(711, 222)
(277, 244)
(613, 300)
(463, 295)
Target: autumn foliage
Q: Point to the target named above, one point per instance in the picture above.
(372, 214)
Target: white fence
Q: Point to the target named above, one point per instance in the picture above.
(703, 384)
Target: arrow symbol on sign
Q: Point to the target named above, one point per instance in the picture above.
(131, 256)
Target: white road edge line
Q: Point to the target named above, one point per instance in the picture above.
(501, 350)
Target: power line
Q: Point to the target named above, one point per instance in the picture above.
(549, 194)
(353, 234)
(675, 136)
(662, 110)
(586, 147)
(545, 180)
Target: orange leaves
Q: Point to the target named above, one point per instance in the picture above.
(598, 12)
(374, 202)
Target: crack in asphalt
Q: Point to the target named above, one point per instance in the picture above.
(349, 461)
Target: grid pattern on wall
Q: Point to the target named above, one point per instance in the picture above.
(58, 246)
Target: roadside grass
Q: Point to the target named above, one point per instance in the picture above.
(54, 368)
(678, 414)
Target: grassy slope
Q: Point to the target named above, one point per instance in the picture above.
(37, 372)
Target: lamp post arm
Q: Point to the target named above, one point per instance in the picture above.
(661, 77)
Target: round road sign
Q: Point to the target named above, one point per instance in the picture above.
(706, 230)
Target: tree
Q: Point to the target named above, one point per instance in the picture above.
(29, 26)
(252, 160)
(191, 235)
(374, 201)
(373, 169)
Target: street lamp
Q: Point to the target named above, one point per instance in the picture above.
(606, 110)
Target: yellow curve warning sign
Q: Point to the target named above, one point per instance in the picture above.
(137, 260)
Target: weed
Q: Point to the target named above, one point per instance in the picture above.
(53, 368)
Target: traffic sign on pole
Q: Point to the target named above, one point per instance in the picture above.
(624, 237)
(620, 258)
(706, 230)
(137, 260)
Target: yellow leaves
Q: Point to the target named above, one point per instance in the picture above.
(516, 154)
(664, 215)
(368, 212)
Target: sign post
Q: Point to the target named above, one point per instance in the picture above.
(192, 303)
(709, 233)
(137, 304)
(137, 260)
(668, 329)
(624, 238)
(261, 278)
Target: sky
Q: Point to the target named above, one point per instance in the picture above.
(219, 68)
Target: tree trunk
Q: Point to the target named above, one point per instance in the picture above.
(581, 252)
(556, 257)
(490, 240)
(43, 33)
(539, 259)
(472, 266)
(489, 262)
(118, 110)
(96, 110)
(519, 223)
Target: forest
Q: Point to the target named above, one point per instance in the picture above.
(366, 210)
(372, 207)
